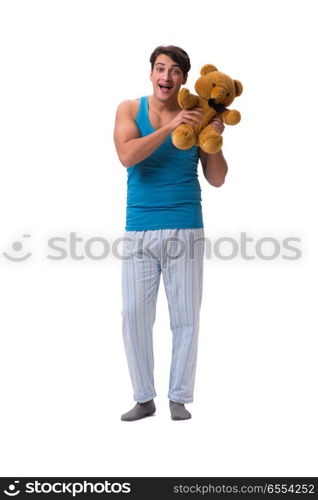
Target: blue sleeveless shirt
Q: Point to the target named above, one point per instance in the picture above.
(163, 191)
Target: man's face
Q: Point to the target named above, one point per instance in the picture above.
(166, 78)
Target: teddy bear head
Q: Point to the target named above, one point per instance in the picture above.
(217, 86)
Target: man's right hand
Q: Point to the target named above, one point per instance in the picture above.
(190, 116)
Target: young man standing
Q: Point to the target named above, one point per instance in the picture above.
(164, 231)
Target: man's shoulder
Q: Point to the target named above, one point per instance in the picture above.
(130, 106)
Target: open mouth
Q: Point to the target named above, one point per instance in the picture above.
(165, 88)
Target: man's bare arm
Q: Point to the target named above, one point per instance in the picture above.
(131, 148)
(214, 167)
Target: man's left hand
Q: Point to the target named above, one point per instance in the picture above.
(217, 123)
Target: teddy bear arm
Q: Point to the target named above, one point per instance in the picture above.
(231, 116)
(187, 100)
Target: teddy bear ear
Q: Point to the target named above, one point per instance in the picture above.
(238, 87)
(207, 68)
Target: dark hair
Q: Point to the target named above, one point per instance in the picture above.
(176, 53)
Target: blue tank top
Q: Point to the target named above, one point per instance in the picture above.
(163, 191)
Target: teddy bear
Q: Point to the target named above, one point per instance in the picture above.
(215, 92)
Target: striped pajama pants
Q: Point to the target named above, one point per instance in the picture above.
(177, 254)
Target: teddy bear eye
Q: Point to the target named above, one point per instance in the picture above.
(213, 84)
(227, 94)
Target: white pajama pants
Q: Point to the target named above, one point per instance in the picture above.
(178, 255)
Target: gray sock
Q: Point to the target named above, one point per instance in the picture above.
(178, 411)
(140, 410)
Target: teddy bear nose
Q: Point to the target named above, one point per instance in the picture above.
(218, 93)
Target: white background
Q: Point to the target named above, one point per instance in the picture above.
(65, 66)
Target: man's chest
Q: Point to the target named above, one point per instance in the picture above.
(158, 120)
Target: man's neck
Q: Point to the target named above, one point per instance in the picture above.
(169, 106)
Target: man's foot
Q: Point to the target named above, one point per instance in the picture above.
(140, 410)
(178, 411)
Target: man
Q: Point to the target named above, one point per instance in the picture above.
(164, 217)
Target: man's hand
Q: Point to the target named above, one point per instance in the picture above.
(217, 123)
(191, 116)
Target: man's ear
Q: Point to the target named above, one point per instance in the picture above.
(185, 78)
